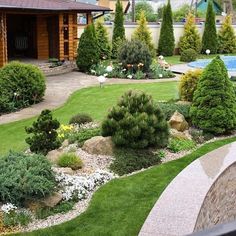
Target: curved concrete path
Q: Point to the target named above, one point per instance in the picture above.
(60, 87)
(177, 210)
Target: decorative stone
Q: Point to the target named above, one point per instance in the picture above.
(181, 135)
(178, 122)
(54, 155)
(99, 145)
(65, 143)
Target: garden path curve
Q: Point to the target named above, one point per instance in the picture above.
(60, 87)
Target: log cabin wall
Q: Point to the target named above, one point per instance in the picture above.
(3, 39)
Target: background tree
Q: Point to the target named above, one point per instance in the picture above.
(119, 29)
(102, 41)
(166, 43)
(143, 34)
(181, 13)
(214, 109)
(227, 37)
(145, 7)
(88, 53)
(209, 39)
(191, 38)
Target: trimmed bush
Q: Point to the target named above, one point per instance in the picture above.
(44, 130)
(80, 119)
(188, 55)
(25, 177)
(88, 52)
(136, 122)
(134, 52)
(70, 160)
(21, 85)
(214, 109)
(188, 84)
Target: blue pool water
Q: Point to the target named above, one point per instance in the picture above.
(230, 62)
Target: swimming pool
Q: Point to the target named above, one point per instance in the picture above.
(230, 62)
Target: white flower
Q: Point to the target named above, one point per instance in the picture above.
(8, 207)
(161, 57)
(124, 70)
(109, 69)
(15, 94)
(105, 75)
(129, 76)
(208, 51)
(160, 75)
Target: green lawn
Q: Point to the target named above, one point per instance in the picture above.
(94, 101)
(120, 207)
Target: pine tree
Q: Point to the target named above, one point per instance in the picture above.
(88, 53)
(227, 37)
(143, 34)
(119, 29)
(214, 108)
(166, 43)
(191, 38)
(102, 41)
(209, 39)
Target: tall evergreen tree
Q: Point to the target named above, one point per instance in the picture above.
(209, 39)
(166, 43)
(227, 37)
(143, 34)
(88, 53)
(191, 38)
(119, 29)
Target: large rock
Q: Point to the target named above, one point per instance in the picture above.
(180, 135)
(99, 145)
(54, 155)
(178, 122)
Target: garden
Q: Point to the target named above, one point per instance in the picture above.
(106, 155)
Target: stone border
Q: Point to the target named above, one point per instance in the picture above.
(177, 210)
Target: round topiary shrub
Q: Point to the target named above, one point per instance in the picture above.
(21, 85)
(80, 119)
(25, 177)
(188, 55)
(136, 122)
(70, 160)
(135, 53)
(188, 84)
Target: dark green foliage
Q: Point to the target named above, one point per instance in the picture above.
(178, 144)
(21, 85)
(129, 160)
(188, 55)
(166, 44)
(16, 218)
(88, 52)
(136, 122)
(70, 160)
(133, 53)
(80, 119)
(119, 30)
(209, 39)
(24, 177)
(214, 109)
(44, 132)
(169, 109)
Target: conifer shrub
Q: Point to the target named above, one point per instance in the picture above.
(88, 52)
(214, 109)
(21, 85)
(166, 44)
(227, 37)
(25, 177)
(188, 55)
(191, 38)
(136, 122)
(44, 130)
(209, 38)
(188, 84)
(133, 53)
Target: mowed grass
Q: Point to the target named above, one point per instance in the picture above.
(120, 207)
(94, 101)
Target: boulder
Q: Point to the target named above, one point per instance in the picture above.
(99, 145)
(178, 122)
(54, 155)
(181, 135)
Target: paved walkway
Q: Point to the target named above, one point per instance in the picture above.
(60, 87)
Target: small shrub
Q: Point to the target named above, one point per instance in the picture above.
(136, 122)
(21, 85)
(16, 218)
(177, 144)
(80, 119)
(134, 53)
(25, 177)
(129, 160)
(197, 135)
(188, 55)
(70, 160)
(188, 84)
(44, 130)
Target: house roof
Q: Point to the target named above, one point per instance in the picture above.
(51, 5)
